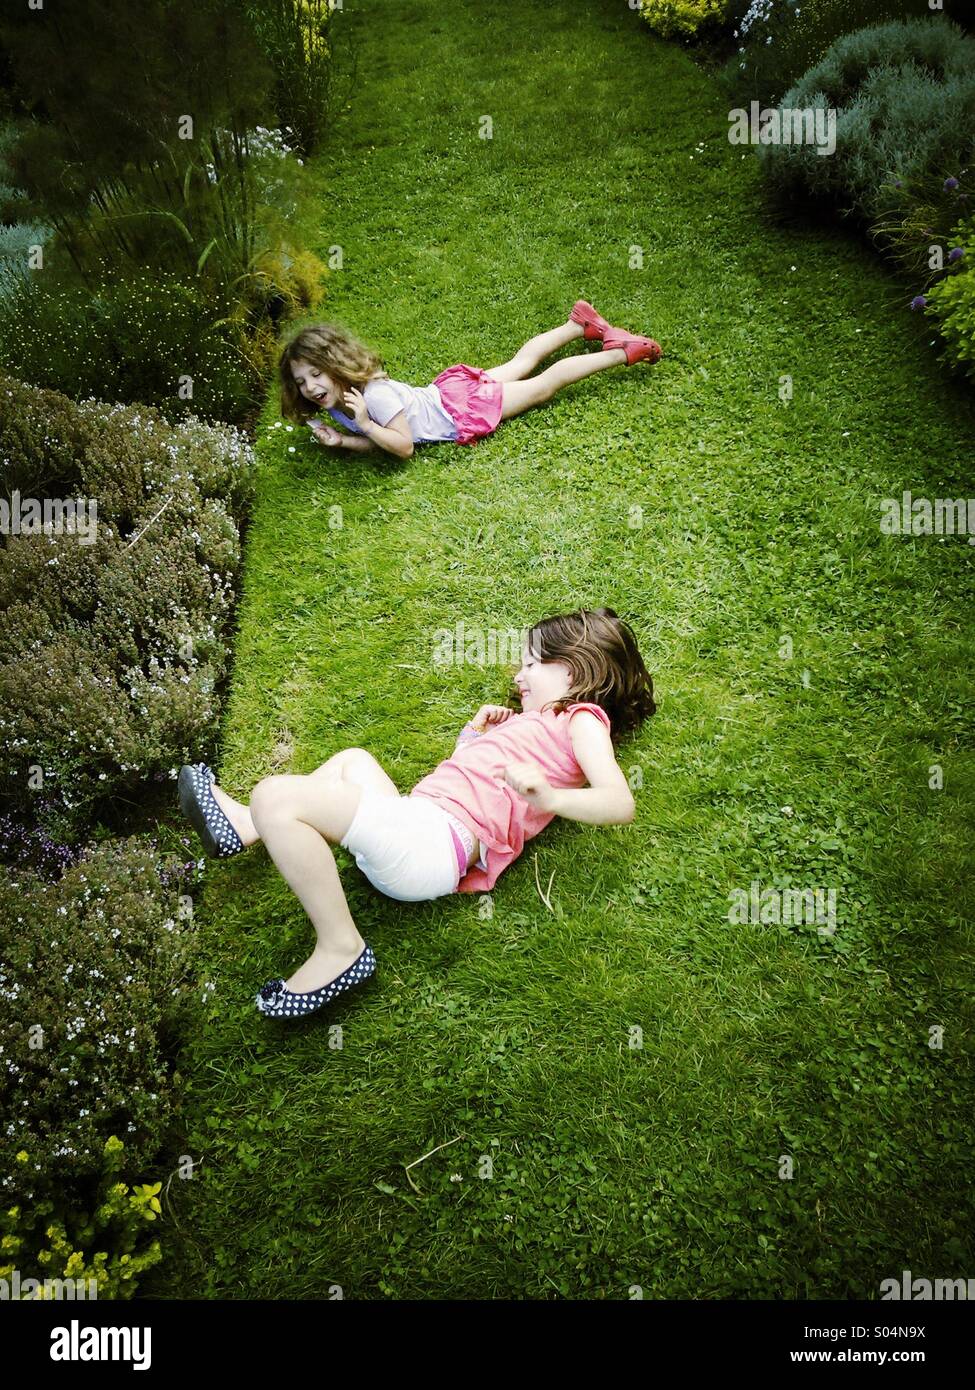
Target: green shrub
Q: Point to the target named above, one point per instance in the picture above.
(779, 40)
(951, 302)
(107, 1249)
(42, 439)
(905, 101)
(204, 208)
(133, 340)
(683, 19)
(296, 36)
(96, 983)
(918, 217)
(112, 652)
(935, 45)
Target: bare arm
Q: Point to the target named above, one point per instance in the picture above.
(487, 714)
(332, 438)
(606, 801)
(358, 444)
(394, 437)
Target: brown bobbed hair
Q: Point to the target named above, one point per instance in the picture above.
(330, 348)
(607, 669)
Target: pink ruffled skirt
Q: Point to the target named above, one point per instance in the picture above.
(472, 398)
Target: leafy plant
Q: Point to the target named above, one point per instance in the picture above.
(107, 1249)
(298, 37)
(164, 164)
(919, 214)
(904, 97)
(105, 958)
(685, 19)
(152, 339)
(951, 303)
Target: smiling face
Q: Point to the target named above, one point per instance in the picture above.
(316, 385)
(541, 681)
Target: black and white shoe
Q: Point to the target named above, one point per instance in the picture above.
(277, 1002)
(200, 808)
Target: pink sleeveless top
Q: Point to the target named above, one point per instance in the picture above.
(470, 784)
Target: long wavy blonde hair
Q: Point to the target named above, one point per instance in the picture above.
(330, 348)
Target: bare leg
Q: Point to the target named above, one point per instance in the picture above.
(522, 395)
(352, 765)
(238, 815)
(360, 768)
(299, 818)
(527, 358)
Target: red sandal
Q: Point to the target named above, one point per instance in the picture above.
(637, 349)
(593, 323)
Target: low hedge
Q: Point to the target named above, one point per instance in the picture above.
(779, 40)
(904, 97)
(98, 988)
(112, 652)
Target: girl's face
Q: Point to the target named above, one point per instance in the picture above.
(317, 385)
(541, 681)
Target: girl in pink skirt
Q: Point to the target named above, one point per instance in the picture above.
(324, 367)
(582, 685)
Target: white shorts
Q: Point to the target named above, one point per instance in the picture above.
(404, 846)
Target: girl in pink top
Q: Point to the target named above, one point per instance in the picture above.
(582, 684)
(323, 367)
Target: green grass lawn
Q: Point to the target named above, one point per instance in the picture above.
(718, 519)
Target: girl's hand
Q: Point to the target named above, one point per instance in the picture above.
(531, 783)
(327, 435)
(490, 714)
(355, 405)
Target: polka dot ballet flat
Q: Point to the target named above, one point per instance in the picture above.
(276, 1001)
(200, 808)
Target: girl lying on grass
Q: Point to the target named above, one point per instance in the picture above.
(582, 684)
(324, 366)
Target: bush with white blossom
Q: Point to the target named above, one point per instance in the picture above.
(113, 653)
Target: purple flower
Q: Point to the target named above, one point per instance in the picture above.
(956, 253)
(919, 301)
(950, 184)
(898, 184)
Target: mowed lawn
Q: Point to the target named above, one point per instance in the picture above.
(626, 1089)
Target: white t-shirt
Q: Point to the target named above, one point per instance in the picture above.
(425, 414)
